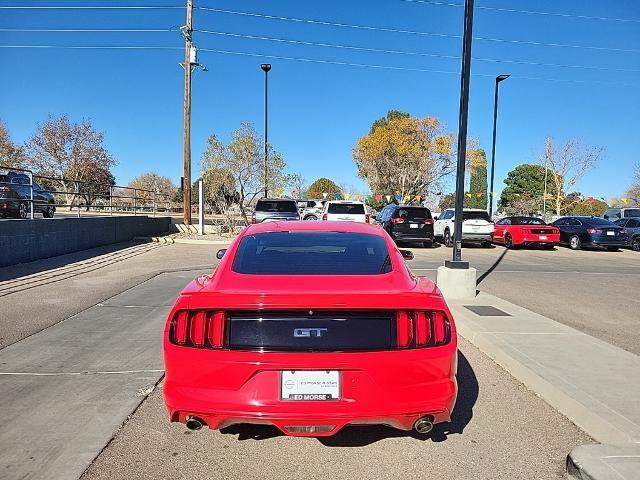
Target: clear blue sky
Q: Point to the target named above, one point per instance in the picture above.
(317, 111)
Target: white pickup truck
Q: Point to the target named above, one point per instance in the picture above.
(476, 227)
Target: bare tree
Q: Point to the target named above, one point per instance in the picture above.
(566, 165)
(11, 155)
(297, 182)
(243, 158)
(70, 152)
(151, 182)
(634, 190)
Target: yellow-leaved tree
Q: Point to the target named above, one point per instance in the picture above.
(405, 155)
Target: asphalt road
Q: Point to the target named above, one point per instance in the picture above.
(500, 430)
(593, 291)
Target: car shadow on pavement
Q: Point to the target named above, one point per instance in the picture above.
(491, 268)
(361, 436)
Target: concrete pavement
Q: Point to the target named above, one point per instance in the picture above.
(66, 390)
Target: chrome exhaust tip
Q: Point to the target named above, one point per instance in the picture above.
(424, 424)
(195, 423)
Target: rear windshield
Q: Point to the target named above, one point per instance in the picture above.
(346, 208)
(475, 216)
(632, 212)
(280, 206)
(414, 213)
(527, 221)
(312, 253)
(598, 221)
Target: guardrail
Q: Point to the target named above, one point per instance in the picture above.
(20, 190)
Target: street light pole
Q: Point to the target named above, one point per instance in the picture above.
(266, 67)
(462, 136)
(499, 79)
(186, 151)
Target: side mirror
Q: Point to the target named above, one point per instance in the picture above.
(435, 219)
(221, 253)
(407, 254)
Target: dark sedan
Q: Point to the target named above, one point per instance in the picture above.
(15, 197)
(632, 227)
(408, 223)
(579, 232)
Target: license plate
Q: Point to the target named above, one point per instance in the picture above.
(413, 225)
(475, 229)
(611, 233)
(542, 237)
(310, 385)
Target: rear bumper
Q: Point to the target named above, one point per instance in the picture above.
(534, 239)
(607, 241)
(477, 237)
(374, 389)
(405, 237)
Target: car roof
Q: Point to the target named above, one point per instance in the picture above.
(302, 226)
(346, 201)
(470, 209)
(276, 200)
(410, 206)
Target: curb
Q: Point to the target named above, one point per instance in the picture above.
(191, 241)
(604, 462)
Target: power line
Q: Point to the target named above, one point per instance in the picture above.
(88, 30)
(309, 60)
(409, 32)
(528, 12)
(90, 7)
(403, 52)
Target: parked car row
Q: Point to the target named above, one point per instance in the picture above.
(415, 224)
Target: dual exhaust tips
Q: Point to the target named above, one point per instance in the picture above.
(423, 425)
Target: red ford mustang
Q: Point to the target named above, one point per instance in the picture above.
(516, 231)
(311, 326)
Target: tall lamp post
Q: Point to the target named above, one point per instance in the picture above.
(465, 76)
(499, 79)
(265, 68)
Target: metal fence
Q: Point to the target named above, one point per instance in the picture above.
(21, 191)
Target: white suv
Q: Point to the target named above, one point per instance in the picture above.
(346, 211)
(476, 227)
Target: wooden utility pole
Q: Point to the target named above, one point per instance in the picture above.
(186, 183)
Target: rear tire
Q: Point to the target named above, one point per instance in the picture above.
(486, 244)
(448, 241)
(575, 243)
(427, 244)
(310, 217)
(612, 249)
(23, 211)
(508, 241)
(635, 244)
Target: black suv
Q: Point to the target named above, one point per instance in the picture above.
(407, 223)
(15, 196)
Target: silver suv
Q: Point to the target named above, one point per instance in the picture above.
(274, 210)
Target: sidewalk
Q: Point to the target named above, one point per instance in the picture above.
(590, 381)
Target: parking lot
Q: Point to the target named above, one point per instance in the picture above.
(500, 428)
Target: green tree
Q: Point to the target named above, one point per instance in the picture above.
(526, 179)
(391, 115)
(579, 205)
(323, 185)
(478, 182)
(447, 201)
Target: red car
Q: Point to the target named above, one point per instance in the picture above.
(311, 326)
(516, 231)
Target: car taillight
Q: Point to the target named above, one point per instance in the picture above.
(428, 221)
(415, 329)
(324, 216)
(5, 189)
(397, 220)
(198, 328)
(367, 218)
(404, 329)
(593, 230)
(253, 218)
